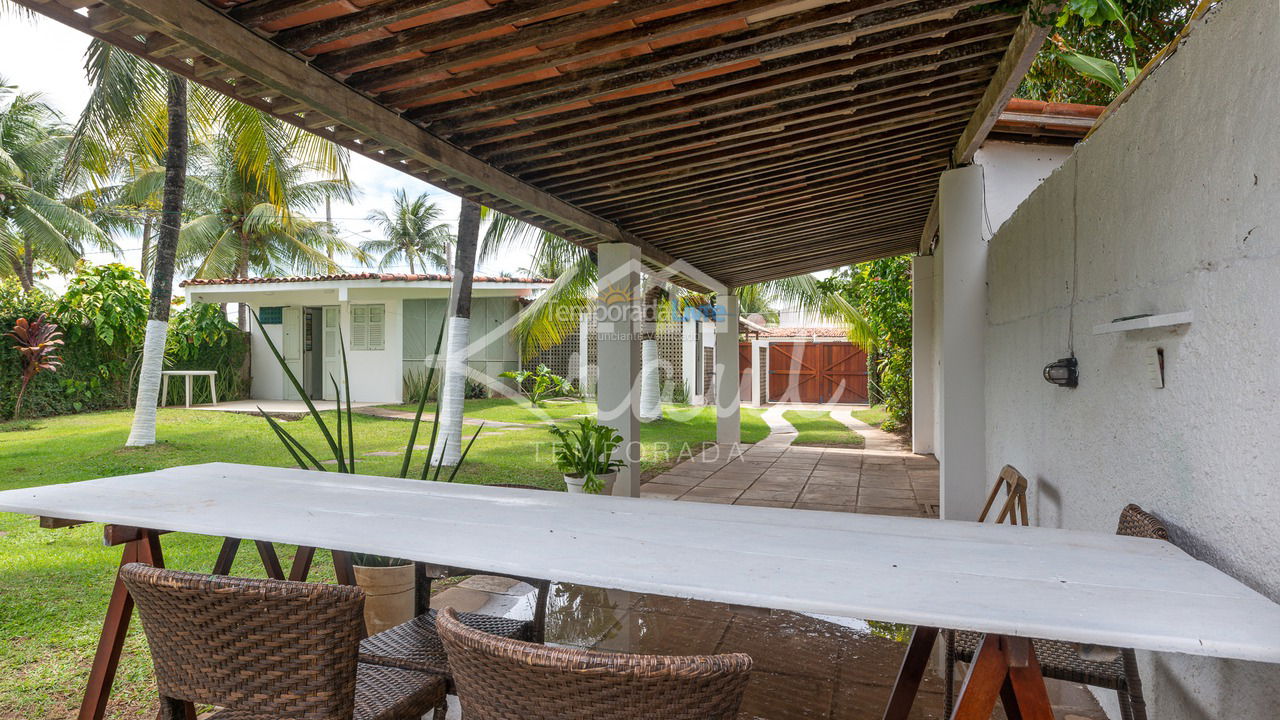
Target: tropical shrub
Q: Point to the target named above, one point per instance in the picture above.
(103, 318)
(539, 384)
(37, 342)
(881, 289)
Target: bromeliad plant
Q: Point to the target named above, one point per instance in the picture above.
(540, 384)
(344, 449)
(37, 342)
(585, 450)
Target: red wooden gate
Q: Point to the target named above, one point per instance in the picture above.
(817, 372)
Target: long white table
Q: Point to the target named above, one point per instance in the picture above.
(1000, 580)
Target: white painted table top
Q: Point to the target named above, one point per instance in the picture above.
(189, 372)
(1031, 582)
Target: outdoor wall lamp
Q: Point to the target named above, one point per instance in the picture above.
(1064, 372)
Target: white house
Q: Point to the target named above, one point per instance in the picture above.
(388, 324)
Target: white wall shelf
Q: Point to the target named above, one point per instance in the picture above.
(1146, 322)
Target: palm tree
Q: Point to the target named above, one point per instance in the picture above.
(253, 221)
(37, 218)
(453, 386)
(133, 138)
(557, 312)
(412, 233)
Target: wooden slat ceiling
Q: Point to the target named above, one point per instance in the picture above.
(754, 139)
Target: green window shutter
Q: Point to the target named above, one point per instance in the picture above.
(375, 337)
(359, 327)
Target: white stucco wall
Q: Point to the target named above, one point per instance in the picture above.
(1173, 205)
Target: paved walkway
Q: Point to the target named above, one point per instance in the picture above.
(807, 666)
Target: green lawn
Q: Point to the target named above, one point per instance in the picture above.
(819, 429)
(54, 583)
(504, 410)
(873, 416)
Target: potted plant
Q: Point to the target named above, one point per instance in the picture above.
(388, 585)
(584, 454)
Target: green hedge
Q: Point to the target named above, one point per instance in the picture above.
(103, 318)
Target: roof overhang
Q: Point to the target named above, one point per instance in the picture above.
(731, 141)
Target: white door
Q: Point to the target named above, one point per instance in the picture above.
(291, 347)
(330, 338)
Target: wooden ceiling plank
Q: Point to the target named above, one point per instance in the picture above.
(899, 59)
(762, 151)
(821, 125)
(871, 30)
(744, 183)
(818, 209)
(257, 12)
(552, 57)
(787, 33)
(361, 21)
(218, 37)
(811, 215)
(716, 203)
(797, 238)
(918, 127)
(840, 251)
(726, 126)
(808, 247)
(455, 29)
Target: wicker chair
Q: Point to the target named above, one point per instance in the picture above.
(502, 679)
(1062, 660)
(268, 649)
(415, 645)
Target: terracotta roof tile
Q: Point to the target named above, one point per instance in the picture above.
(802, 332)
(382, 277)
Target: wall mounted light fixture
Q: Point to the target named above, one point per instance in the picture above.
(1063, 373)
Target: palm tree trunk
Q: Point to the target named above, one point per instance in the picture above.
(146, 244)
(242, 270)
(452, 389)
(27, 276)
(650, 363)
(175, 180)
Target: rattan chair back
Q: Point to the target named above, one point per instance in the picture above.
(1136, 522)
(501, 679)
(265, 648)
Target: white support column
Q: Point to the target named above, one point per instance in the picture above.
(759, 370)
(922, 357)
(584, 356)
(961, 440)
(728, 381)
(618, 356)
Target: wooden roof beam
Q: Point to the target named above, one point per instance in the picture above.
(452, 30)
(738, 192)
(784, 34)
(220, 38)
(902, 55)
(730, 126)
(1036, 23)
(821, 125)
(555, 55)
(921, 128)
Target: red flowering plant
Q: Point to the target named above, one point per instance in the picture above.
(37, 342)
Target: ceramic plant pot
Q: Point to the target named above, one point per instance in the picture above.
(388, 595)
(575, 483)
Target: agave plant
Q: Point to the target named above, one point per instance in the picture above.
(37, 342)
(344, 448)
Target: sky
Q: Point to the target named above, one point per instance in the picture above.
(41, 55)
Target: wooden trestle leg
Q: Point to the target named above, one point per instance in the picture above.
(1004, 669)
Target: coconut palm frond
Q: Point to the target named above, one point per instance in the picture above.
(557, 312)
